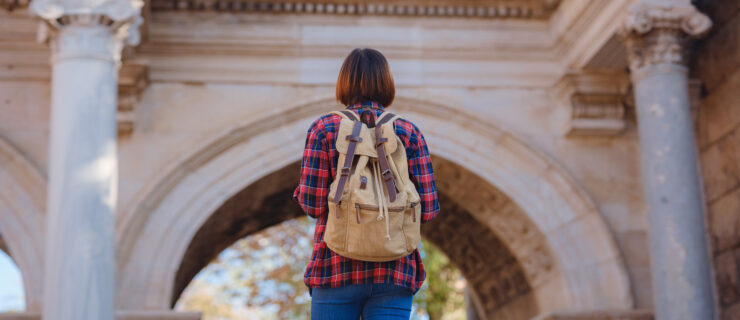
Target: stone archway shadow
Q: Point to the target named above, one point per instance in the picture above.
(22, 208)
(585, 268)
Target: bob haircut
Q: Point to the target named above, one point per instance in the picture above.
(365, 76)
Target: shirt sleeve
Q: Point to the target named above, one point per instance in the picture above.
(422, 175)
(313, 186)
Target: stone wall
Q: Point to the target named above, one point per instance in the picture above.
(717, 64)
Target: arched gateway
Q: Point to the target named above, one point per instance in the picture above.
(546, 244)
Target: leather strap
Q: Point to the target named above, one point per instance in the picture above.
(390, 182)
(354, 138)
(350, 114)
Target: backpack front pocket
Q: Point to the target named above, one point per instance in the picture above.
(412, 225)
(368, 240)
(335, 234)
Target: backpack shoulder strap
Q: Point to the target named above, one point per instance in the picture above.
(385, 168)
(353, 138)
(386, 117)
(347, 114)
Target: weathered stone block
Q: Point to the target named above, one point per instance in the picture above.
(724, 221)
(720, 166)
(731, 313)
(713, 63)
(727, 265)
(717, 116)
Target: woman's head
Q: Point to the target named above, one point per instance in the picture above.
(365, 76)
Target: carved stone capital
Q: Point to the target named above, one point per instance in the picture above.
(97, 32)
(657, 34)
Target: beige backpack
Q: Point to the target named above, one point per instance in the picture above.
(374, 209)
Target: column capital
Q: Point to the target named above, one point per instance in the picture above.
(660, 33)
(91, 29)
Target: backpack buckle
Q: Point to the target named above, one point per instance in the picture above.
(387, 175)
(380, 141)
(363, 182)
(345, 171)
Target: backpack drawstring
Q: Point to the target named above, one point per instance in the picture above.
(382, 208)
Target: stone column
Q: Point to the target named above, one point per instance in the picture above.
(657, 37)
(86, 43)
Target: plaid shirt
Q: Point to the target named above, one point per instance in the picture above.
(328, 269)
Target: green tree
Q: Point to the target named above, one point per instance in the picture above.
(442, 295)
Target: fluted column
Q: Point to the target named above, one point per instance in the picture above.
(86, 39)
(657, 36)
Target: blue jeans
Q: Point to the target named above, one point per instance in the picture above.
(372, 301)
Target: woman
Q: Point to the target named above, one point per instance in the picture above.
(341, 287)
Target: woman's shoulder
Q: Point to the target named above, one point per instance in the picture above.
(407, 130)
(407, 125)
(326, 122)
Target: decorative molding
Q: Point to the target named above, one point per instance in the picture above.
(133, 78)
(657, 34)
(10, 5)
(473, 9)
(596, 100)
(530, 9)
(582, 28)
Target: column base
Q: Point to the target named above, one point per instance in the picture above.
(598, 315)
(120, 315)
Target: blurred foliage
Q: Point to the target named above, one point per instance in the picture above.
(261, 277)
(442, 295)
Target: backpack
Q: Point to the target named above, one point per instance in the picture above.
(374, 208)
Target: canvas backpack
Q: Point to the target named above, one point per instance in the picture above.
(374, 208)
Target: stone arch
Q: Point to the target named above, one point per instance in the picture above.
(587, 268)
(22, 207)
(501, 288)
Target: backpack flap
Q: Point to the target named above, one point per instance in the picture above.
(367, 145)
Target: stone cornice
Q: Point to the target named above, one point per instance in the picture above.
(657, 34)
(532, 9)
(581, 29)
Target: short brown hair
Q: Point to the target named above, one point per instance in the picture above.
(365, 76)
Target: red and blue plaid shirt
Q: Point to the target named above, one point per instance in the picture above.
(328, 269)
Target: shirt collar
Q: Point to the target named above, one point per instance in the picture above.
(370, 104)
